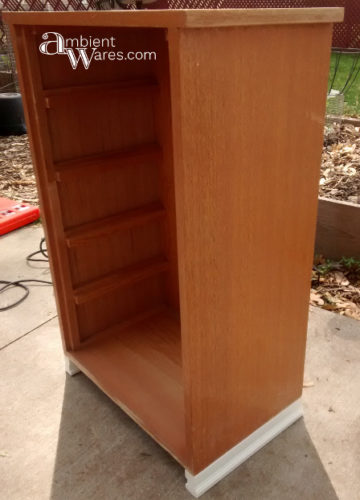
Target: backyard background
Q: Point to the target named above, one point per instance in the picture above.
(336, 272)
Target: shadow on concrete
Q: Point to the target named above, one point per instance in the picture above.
(103, 454)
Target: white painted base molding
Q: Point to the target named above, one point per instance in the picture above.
(199, 484)
(71, 367)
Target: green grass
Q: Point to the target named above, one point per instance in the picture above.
(4, 62)
(352, 96)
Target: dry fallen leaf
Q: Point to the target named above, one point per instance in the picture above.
(340, 278)
(352, 312)
(330, 307)
(315, 299)
(308, 384)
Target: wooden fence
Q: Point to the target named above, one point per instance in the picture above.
(346, 34)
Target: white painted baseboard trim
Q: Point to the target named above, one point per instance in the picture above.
(71, 367)
(204, 480)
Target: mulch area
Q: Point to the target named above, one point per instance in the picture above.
(17, 179)
(335, 286)
(340, 168)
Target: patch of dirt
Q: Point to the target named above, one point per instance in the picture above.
(340, 169)
(335, 286)
(17, 179)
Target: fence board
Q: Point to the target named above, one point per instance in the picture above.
(346, 34)
(338, 229)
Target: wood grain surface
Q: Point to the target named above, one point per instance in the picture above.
(194, 18)
(189, 189)
(338, 229)
(139, 367)
(248, 114)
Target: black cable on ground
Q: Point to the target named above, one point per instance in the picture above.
(20, 283)
(42, 251)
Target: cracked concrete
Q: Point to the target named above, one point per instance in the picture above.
(62, 438)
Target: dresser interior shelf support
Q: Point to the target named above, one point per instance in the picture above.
(123, 277)
(107, 226)
(102, 162)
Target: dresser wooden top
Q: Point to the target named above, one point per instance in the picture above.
(189, 18)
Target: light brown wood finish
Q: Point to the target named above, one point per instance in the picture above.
(105, 175)
(109, 225)
(338, 229)
(101, 162)
(191, 18)
(122, 305)
(140, 369)
(119, 279)
(95, 155)
(109, 253)
(40, 144)
(248, 113)
(237, 139)
(144, 84)
(163, 131)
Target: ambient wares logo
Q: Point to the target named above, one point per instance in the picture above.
(87, 49)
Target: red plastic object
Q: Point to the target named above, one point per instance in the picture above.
(14, 214)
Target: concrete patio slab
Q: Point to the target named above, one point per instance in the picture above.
(62, 438)
(40, 304)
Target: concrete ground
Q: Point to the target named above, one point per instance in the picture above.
(61, 438)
